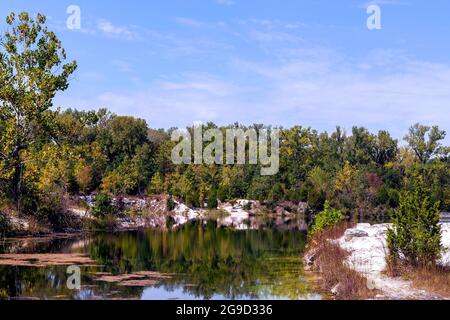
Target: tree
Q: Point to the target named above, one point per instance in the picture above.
(122, 136)
(415, 238)
(425, 141)
(296, 153)
(83, 176)
(360, 146)
(385, 148)
(156, 185)
(32, 71)
(212, 199)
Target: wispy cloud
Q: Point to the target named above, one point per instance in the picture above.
(384, 93)
(108, 28)
(291, 81)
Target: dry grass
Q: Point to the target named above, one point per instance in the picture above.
(432, 279)
(347, 284)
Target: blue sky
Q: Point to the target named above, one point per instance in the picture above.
(287, 62)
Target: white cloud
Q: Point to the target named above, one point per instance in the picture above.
(107, 28)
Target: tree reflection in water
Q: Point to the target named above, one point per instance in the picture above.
(206, 262)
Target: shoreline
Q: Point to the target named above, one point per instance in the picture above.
(366, 251)
(141, 212)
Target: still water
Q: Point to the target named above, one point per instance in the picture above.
(199, 261)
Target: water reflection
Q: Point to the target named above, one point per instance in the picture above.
(205, 262)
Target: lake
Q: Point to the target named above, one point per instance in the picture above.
(198, 261)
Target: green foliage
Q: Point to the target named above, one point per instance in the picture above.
(32, 72)
(425, 141)
(156, 185)
(388, 196)
(325, 219)
(170, 204)
(416, 236)
(223, 193)
(102, 206)
(212, 199)
(123, 136)
(276, 194)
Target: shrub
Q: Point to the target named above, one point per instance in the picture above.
(4, 225)
(170, 204)
(223, 193)
(325, 219)
(212, 199)
(102, 206)
(416, 236)
(316, 200)
(192, 199)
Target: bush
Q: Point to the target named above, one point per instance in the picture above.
(416, 236)
(56, 217)
(212, 199)
(387, 196)
(192, 199)
(316, 200)
(325, 219)
(102, 206)
(170, 204)
(4, 225)
(223, 193)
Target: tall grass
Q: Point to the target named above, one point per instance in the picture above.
(433, 278)
(346, 283)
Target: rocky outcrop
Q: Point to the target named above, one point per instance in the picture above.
(237, 216)
(183, 214)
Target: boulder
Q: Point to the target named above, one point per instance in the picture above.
(355, 233)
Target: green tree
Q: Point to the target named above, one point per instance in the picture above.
(360, 146)
(385, 149)
(425, 141)
(415, 238)
(212, 199)
(122, 136)
(32, 71)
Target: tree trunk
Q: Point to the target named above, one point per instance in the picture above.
(16, 179)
